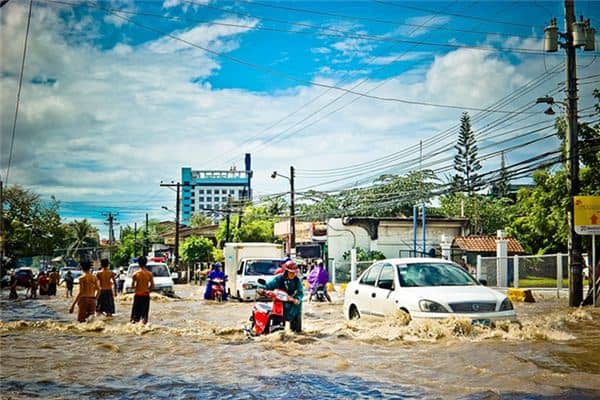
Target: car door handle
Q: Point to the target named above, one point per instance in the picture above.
(373, 295)
(356, 291)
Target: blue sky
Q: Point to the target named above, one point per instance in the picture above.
(117, 96)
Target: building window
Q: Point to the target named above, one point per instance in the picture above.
(208, 191)
(240, 193)
(209, 199)
(232, 191)
(223, 191)
(201, 191)
(201, 199)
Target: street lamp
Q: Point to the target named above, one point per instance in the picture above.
(274, 175)
(550, 100)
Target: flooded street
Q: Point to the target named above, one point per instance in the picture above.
(197, 349)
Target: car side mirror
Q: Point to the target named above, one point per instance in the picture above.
(483, 282)
(262, 281)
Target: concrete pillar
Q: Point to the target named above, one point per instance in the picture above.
(353, 264)
(516, 271)
(501, 260)
(333, 272)
(478, 273)
(446, 248)
(559, 273)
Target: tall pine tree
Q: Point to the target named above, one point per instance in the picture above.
(466, 162)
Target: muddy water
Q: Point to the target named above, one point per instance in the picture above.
(193, 349)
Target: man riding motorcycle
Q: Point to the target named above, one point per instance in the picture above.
(318, 277)
(291, 284)
(216, 273)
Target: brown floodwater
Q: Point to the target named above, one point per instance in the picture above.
(196, 349)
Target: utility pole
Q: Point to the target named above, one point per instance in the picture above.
(110, 217)
(1, 227)
(177, 208)
(274, 175)
(228, 219)
(577, 34)
(292, 214)
(146, 236)
(135, 238)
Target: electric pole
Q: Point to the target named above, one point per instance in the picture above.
(577, 34)
(177, 208)
(110, 217)
(146, 236)
(292, 214)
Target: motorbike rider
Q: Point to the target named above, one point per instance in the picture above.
(290, 283)
(318, 277)
(216, 273)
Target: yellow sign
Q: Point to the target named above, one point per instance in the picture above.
(587, 214)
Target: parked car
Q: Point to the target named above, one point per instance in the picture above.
(75, 273)
(424, 288)
(162, 278)
(24, 276)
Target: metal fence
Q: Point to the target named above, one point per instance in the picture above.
(545, 271)
(341, 271)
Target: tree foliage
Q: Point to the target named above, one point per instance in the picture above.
(81, 237)
(466, 162)
(31, 226)
(389, 196)
(257, 226)
(199, 219)
(485, 214)
(365, 255)
(541, 222)
(197, 249)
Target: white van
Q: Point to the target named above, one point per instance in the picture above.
(250, 271)
(162, 278)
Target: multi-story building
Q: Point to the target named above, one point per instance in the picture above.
(210, 191)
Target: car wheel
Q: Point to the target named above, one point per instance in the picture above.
(404, 316)
(353, 312)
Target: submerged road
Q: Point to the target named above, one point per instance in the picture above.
(196, 349)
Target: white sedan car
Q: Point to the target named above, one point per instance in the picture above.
(424, 288)
(162, 278)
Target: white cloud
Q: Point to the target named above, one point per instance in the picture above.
(119, 121)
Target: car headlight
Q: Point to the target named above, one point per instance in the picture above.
(248, 286)
(506, 305)
(432, 306)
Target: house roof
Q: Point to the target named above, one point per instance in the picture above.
(485, 244)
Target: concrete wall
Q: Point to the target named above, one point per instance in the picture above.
(393, 236)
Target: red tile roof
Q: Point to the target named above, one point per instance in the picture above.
(485, 244)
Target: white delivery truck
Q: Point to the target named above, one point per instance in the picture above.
(245, 263)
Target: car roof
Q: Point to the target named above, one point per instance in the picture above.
(414, 260)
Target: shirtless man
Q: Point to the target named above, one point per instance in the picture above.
(108, 285)
(88, 292)
(142, 283)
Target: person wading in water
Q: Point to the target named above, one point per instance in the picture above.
(142, 283)
(88, 293)
(108, 285)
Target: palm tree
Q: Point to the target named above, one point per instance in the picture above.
(81, 235)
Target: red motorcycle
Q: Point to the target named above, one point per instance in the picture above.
(217, 289)
(267, 318)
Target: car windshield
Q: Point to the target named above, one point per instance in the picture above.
(262, 267)
(157, 270)
(434, 274)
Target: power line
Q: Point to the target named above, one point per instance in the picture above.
(14, 127)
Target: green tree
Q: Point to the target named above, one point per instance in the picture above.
(365, 255)
(81, 236)
(466, 162)
(199, 219)
(197, 249)
(486, 215)
(389, 196)
(31, 226)
(540, 223)
(257, 226)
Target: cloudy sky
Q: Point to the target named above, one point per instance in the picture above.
(118, 95)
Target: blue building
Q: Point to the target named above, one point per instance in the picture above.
(208, 191)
